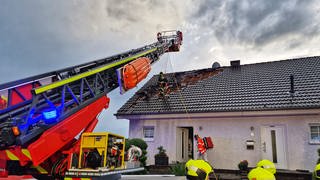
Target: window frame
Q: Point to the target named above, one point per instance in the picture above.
(144, 134)
(312, 141)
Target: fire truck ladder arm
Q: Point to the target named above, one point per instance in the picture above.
(95, 71)
(42, 115)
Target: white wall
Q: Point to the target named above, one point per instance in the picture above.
(229, 136)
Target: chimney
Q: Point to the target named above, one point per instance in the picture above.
(235, 63)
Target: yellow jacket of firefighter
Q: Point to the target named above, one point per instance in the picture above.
(317, 171)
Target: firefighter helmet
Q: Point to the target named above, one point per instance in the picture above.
(198, 169)
(267, 165)
(260, 173)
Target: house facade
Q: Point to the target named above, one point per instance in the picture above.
(251, 112)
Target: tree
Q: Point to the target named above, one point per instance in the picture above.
(142, 145)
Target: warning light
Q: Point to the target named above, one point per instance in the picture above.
(50, 116)
(15, 130)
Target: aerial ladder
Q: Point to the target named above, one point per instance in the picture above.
(42, 116)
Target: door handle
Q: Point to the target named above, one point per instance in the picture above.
(264, 147)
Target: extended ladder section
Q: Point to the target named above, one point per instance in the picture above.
(30, 106)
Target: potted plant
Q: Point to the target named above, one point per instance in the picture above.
(243, 165)
(161, 158)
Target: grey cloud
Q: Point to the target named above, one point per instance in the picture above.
(208, 6)
(294, 44)
(259, 10)
(123, 10)
(41, 36)
(119, 10)
(148, 15)
(257, 22)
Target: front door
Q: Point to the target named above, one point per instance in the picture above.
(182, 144)
(274, 145)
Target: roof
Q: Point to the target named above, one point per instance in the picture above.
(251, 87)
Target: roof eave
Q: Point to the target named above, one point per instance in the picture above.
(234, 114)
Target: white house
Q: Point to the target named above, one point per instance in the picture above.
(265, 110)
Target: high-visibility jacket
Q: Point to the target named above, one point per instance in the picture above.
(201, 146)
(317, 171)
(198, 169)
(260, 174)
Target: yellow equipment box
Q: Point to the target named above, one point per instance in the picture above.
(101, 150)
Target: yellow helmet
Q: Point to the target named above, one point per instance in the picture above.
(259, 173)
(317, 171)
(199, 169)
(267, 165)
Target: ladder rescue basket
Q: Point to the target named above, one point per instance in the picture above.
(135, 71)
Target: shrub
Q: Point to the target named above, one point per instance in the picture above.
(178, 169)
(142, 145)
(137, 142)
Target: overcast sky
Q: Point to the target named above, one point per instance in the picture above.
(37, 36)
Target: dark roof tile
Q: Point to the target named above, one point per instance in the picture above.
(261, 86)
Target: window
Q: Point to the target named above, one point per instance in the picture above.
(148, 133)
(315, 133)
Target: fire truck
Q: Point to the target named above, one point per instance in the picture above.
(47, 121)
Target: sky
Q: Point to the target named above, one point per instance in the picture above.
(37, 36)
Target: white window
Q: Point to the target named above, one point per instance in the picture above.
(148, 133)
(315, 133)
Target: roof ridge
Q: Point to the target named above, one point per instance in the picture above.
(258, 63)
(280, 60)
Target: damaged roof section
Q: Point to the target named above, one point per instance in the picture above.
(261, 86)
(177, 82)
